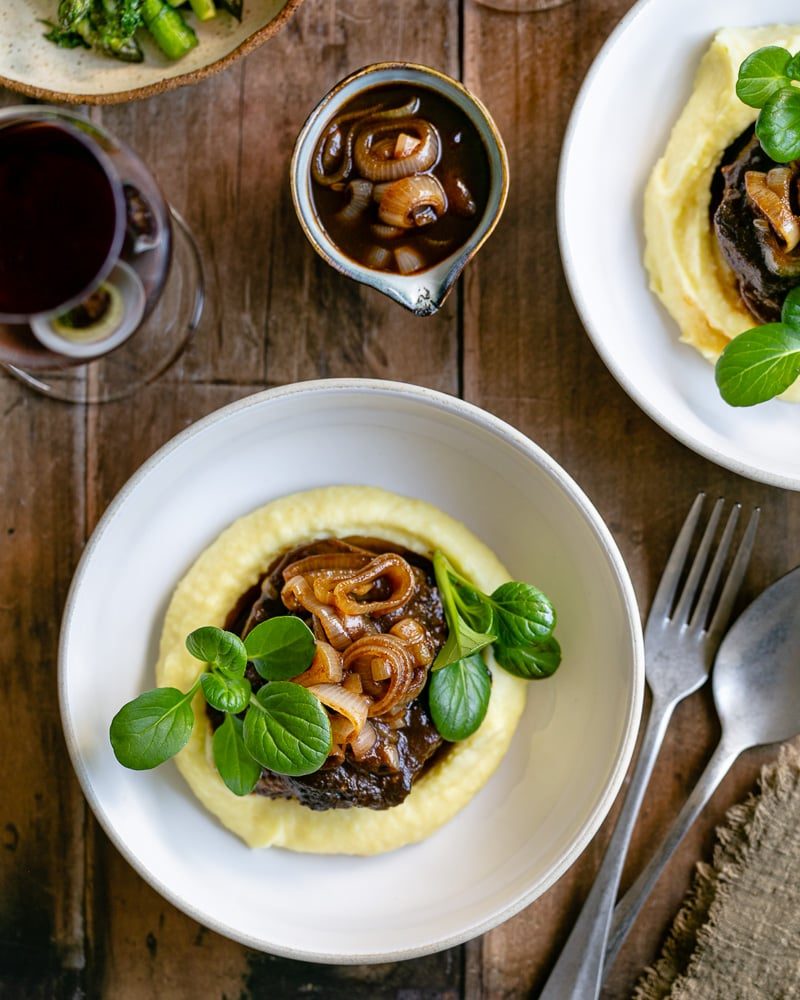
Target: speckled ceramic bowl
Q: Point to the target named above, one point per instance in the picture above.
(33, 66)
(425, 291)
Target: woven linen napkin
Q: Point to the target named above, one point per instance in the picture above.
(737, 935)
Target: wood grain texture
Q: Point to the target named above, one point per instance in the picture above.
(75, 920)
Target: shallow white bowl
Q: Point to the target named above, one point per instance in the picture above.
(569, 756)
(622, 118)
(32, 65)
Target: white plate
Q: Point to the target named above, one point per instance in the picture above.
(624, 113)
(565, 766)
(35, 66)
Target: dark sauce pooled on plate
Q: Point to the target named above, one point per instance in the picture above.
(400, 178)
(403, 748)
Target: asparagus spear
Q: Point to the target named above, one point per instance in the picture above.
(72, 11)
(204, 10)
(172, 34)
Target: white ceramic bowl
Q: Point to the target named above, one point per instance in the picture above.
(32, 65)
(565, 765)
(129, 285)
(622, 118)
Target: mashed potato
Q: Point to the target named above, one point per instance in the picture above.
(234, 563)
(686, 269)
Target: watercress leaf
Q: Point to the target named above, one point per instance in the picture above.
(759, 364)
(778, 125)
(218, 647)
(225, 692)
(522, 614)
(530, 662)
(281, 648)
(790, 313)
(762, 73)
(459, 697)
(235, 765)
(462, 641)
(793, 67)
(152, 728)
(473, 606)
(287, 730)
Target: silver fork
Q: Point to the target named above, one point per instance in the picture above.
(680, 644)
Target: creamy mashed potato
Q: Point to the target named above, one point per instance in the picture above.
(230, 566)
(686, 269)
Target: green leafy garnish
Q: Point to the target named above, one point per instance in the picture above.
(287, 730)
(766, 81)
(280, 648)
(153, 727)
(459, 697)
(225, 693)
(762, 74)
(218, 648)
(531, 662)
(763, 362)
(156, 725)
(517, 619)
(236, 767)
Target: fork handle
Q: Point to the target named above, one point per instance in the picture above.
(628, 908)
(577, 974)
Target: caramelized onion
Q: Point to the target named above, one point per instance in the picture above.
(327, 560)
(353, 707)
(375, 168)
(393, 651)
(412, 201)
(352, 682)
(415, 636)
(404, 145)
(770, 193)
(391, 567)
(364, 742)
(409, 260)
(342, 729)
(384, 232)
(297, 593)
(378, 258)
(326, 667)
(359, 194)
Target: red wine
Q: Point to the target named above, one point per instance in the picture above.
(61, 217)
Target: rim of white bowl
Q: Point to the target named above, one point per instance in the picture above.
(662, 418)
(487, 421)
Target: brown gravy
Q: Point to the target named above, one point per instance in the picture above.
(461, 168)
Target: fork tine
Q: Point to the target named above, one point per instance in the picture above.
(662, 602)
(681, 614)
(709, 587)
(725, 606)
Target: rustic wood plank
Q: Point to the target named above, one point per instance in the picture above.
(528, 360)
(41, 808)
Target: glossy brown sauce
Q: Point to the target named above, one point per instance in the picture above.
(462, 158)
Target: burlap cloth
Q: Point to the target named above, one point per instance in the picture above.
(737, 935)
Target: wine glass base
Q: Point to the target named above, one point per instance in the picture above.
(149, 352)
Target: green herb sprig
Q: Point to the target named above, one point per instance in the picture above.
(763, 362)
(284, 728)
(517, 620)
(767, 81)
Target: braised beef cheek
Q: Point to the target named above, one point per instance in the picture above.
(762, 290)
(383, 778)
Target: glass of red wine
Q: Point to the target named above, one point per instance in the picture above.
(101, 284)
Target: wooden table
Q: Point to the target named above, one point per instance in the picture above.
(75, 920)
